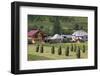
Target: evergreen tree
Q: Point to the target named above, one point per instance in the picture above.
(67, 51)
(41, 49)
(84, 49)
(72, 47)
(52, 50)
(78, 53)
(59, 50)
(37, 48)
(56, 27)
(75, 48)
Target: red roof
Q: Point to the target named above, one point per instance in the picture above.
(32, 33)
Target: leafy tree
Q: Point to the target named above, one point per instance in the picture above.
(56, 27)
(76, 27)
(57, 24)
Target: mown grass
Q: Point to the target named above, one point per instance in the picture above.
(47, 55)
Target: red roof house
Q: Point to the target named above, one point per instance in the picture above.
(36, 35)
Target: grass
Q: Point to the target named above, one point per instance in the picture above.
(47, 55)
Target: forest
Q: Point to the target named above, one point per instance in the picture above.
(57, 24)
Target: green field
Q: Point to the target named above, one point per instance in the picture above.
(47, 55)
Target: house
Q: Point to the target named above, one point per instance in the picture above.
(35, 36)
(80, 35)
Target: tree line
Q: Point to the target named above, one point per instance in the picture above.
(57, 24)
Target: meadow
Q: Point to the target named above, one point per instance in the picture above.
(57, 51)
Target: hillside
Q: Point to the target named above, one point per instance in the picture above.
(57, 24)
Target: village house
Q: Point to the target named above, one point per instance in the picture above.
(80, 35)
(35, 36)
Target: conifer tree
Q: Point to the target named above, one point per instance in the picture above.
(78, 53)
(84, 49)
(67, 51)
(59, 50)
(72, 47)
(41, 49)
(52, 49)
(37, 48)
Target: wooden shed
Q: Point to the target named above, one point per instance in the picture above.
(35, 36)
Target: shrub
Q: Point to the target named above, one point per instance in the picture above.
(67, 51)
(41, 49)
(84, 49)
(37, 48)
(52, 49)
(72, 47)
(59, 50)
(75, 48)
(78, 52)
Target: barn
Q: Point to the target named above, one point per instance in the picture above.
(35, 36)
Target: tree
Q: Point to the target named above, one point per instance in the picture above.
(72, 48)
(37, 48)
(75, 48)
(56, 26)
(52, 50)
(67, 51)
(84, 49)
(37, 20)
(78, 53)
(76, 27)
(59, 50)
(41, 49)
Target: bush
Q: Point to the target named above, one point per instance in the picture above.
(37, 48)
(29, 41)
(67, 51)
(52, 50)
(78, 53)
(75, 48)
(84, 49)
(41, 49)
(59, 50)
(72, 47)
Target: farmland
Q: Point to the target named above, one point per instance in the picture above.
(46, 54)
(52, 37)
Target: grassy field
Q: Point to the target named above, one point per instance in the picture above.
(47, 55)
